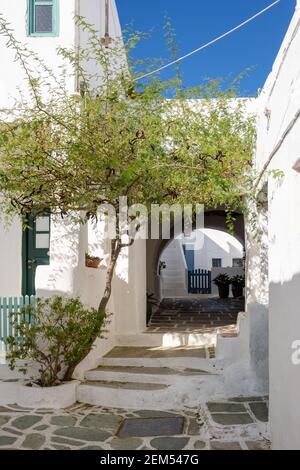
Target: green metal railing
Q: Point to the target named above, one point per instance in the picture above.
(8, 307)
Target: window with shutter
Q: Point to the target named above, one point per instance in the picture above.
(43, 17)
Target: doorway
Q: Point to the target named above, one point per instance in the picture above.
(35, 250)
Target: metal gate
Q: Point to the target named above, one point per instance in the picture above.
(8, 307)
(199, 281)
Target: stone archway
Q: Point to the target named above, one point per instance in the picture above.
(213, 219)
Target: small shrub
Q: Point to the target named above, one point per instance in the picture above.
(222, 280)
(162, 265)
(56, 334)
(238, 280)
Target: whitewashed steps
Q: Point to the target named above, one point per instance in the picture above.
(141, 378)
(148, 395)
(130, 374)
(174, 275)
(124, 395)
(113, 384)
(174, 358)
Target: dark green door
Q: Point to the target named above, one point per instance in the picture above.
(36, 244)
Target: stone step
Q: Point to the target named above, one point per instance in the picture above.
(174, 293)
(168, 289)
(123, 395)
(127, 374)
(115, 384)
(193, 323)
(170, 283)
(170, 337)
(173, 277)
(172, 269)
(145, 352)
(149, 396)
(198, 319)
(188, 357)
(187, 318)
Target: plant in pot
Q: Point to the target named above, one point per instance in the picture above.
(92, 261)
(50, 340)
(223, 283)
(162, 265)
(237, 286)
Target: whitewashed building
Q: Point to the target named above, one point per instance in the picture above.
(278, 149)
(43, 26)
(220, 252)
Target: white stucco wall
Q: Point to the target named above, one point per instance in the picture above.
(68, 275)
(15, 12)
(217, 244)
(280, 100)
(69, 36)
(173, 278)
(11, 258)
(12, 78)
(93, 11)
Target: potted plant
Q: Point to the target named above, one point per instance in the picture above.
(162, 265)
(223, 283)
(237, 285)
(92, 261)
(50, 339)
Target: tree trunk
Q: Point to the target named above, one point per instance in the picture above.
(115, 251)
(116, 247)
(70, 371)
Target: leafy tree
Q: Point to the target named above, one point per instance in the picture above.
(56, 334)
(118, 136)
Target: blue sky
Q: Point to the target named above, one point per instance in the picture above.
(198, 21)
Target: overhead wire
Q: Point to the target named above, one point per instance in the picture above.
(204, 46)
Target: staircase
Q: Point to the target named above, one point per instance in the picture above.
(174, 275)
(151, 378)
(180, 373)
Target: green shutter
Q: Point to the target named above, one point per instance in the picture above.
(50, 20)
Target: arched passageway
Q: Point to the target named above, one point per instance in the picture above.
(184, 312)
(213, 219)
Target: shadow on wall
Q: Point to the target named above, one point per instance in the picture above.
(68, 275)
(127, 304)
(213, 249)
(216, 245)
(285, 364)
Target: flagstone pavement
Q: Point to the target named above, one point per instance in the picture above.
(235, 424)
(197, 314)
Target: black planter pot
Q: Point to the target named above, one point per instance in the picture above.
(223, 291)
(237, 291)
